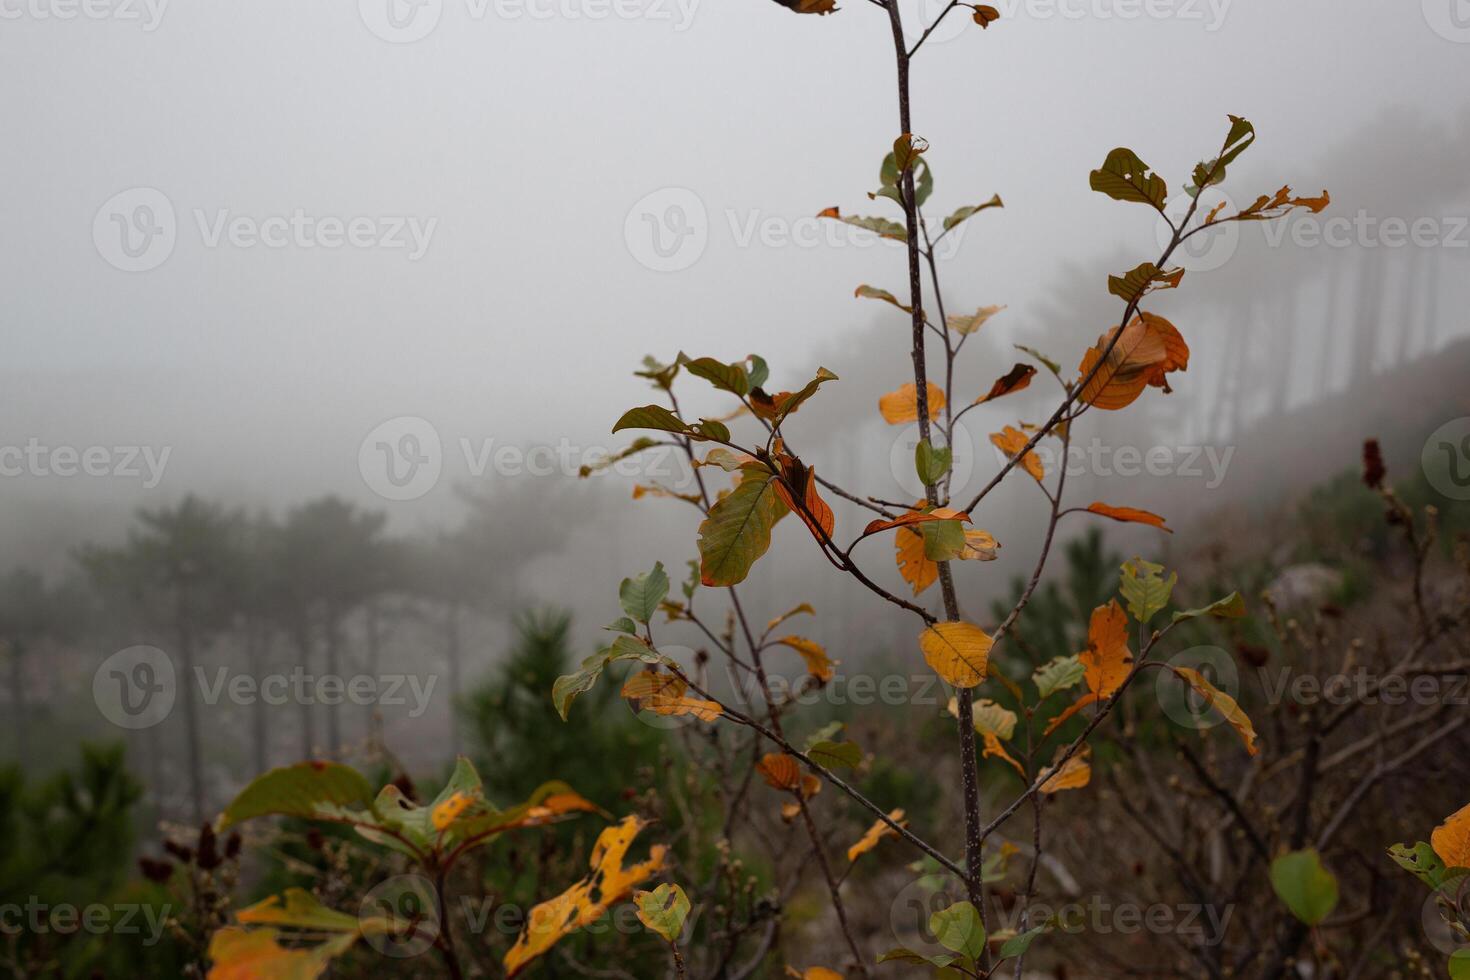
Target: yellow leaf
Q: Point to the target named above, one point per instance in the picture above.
(902, 405)
(1451, 839)
(239, 954)
(1075, 773)
(1222, 703)
(586, 902)
(916, 570)
(449, 811)
(817, 662)
(875, 833)
(957, 652)
(805, 607)
(1011, 441)
(969, 324)
(980, 545)
(666, 694)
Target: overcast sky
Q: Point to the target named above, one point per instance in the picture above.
(458, 223)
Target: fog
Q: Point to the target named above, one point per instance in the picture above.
(245, 242)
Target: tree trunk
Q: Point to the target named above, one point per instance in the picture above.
(334, 671)
(191, 718)
(452, 655)
(19, 707)
(303, 652)
(374, 652)
(257, 636)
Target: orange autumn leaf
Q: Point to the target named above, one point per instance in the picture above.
(587, 901)
(902, 405)
(1107, 657)
(980, 545)
(1129, 515)
(1145, 352)
(813, 973)
(1075, 773)
(818, 664)
(994, 749)
(780, 771)
(1451, 839)
(666, 694)
(814, 512)
(917, 570)
(1107, 660)
(1016, 379)
(914, 517)
(1269, 206)
(1012, 441)
(875, 833)
(957, 652)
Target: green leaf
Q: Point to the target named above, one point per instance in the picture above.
(463, 779)
(1211, 172)
(622, 625)
(312, 790)
(759, 370)
(301, 910)
(1058, 674)
(1421, 861)
(1132, 286)
(726, 377)
(795, 401)
(692, 582)
(1124, 177)
(712, 429)
(826, 733)
(738, 529)
(902, 954)
(958, 929)
(1230, 607)
(663, 910)
(1051, 365)
(651, 417)
(1018, 945)
(1144, 590)
(932, 463)
(836, 755)
(1459, 965)
(641, 594)
(881, 226)
(582, 680)
(966, 213)
(1307, 888)
(943, 540)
